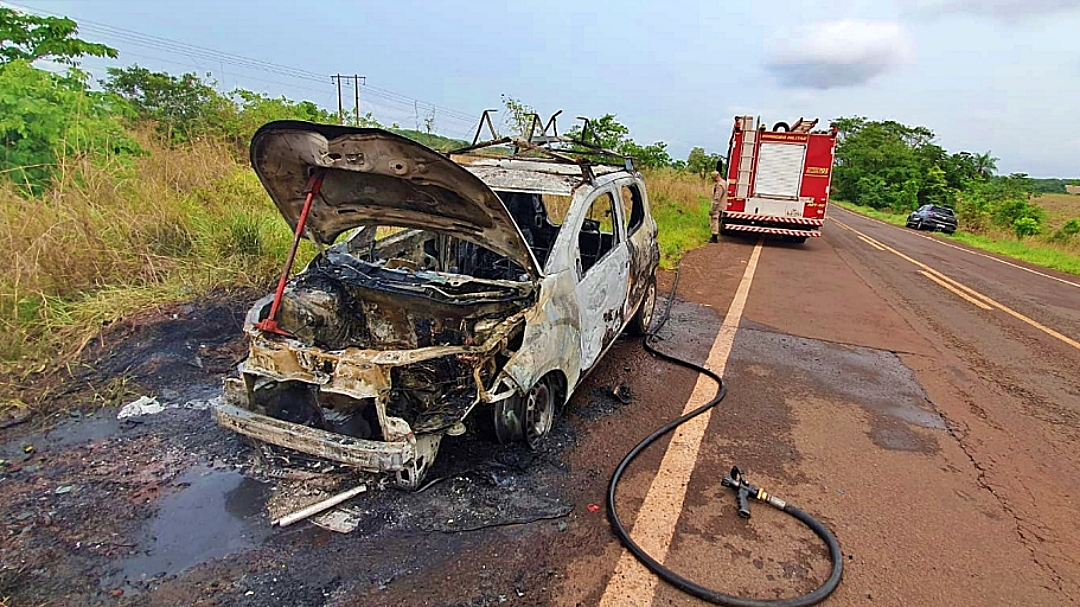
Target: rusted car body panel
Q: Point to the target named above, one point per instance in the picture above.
(393, 342)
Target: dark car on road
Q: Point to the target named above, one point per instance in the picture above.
(933, 217)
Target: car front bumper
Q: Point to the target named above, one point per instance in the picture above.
(403, 458)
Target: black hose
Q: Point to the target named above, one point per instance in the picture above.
(669, 576)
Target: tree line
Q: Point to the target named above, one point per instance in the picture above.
(891, 166)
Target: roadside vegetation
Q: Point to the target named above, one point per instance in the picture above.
(135, 192)
(885, 170)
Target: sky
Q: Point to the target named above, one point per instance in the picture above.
(985, 75)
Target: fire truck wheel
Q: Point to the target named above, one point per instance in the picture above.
(776, 127)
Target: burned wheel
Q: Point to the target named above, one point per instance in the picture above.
(642, 320)
(539, 412)
(529, 417)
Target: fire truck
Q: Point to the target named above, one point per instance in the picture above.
(778, 179)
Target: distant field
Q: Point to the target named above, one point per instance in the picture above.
(1059, 209)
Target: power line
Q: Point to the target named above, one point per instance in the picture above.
(196, 52)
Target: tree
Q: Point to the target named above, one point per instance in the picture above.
(702, 163)
(26, 37)
(698, 162)
(429, 122)
(960, 169)
(605, 131)
(183, 106)
(909, 169)
(45, 117)
(518, 116)
(252, 110)
(652, 156)
(985, 164)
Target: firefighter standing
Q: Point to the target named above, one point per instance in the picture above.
(719, 203)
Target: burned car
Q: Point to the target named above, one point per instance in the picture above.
(445, 291)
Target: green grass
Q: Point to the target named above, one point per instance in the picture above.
(681, 229)
(680, 204)
(1034, 251)
(886, 216)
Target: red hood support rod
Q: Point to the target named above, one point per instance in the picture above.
(269, 324)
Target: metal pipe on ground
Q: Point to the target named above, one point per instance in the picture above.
(318, 507)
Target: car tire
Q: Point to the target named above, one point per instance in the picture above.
(918, 226)
(643, 318)
(527, 417)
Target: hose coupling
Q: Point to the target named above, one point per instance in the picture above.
(744, 491)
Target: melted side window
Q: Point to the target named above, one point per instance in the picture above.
(598, 235)
(633, 207)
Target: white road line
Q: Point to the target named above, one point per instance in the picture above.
(990, 257)
(632, 583)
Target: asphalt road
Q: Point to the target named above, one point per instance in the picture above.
(921, 399)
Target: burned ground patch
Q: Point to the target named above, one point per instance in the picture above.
(167, 506)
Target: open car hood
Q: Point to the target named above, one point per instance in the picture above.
(375, 177)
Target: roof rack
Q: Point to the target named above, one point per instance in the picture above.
(552, 147)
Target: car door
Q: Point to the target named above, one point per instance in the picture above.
(640, 241)
(603, 268)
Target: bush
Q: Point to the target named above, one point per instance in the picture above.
(1025, 226)
(45, 117)
(1066, 232)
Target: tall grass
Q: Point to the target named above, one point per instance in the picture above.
(680, 204)
(106, 241)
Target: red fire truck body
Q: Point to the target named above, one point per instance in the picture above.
(778, 180)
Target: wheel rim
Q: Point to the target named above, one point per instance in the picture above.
(539, 413)
(648, 306)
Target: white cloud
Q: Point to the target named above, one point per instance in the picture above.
(1006, 10)
(835, 54)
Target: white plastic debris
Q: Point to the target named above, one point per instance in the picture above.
(198, 405)
(148, 405)
(144, 406)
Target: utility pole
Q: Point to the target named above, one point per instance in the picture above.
(357, 81)
(340, 111)
(356, 87)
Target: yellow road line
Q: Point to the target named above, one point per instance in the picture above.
(654, 528)
(955, 290)
(1034, 323)
(966, 250)
(873, 244)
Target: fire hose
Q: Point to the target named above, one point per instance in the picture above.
(735, 480)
